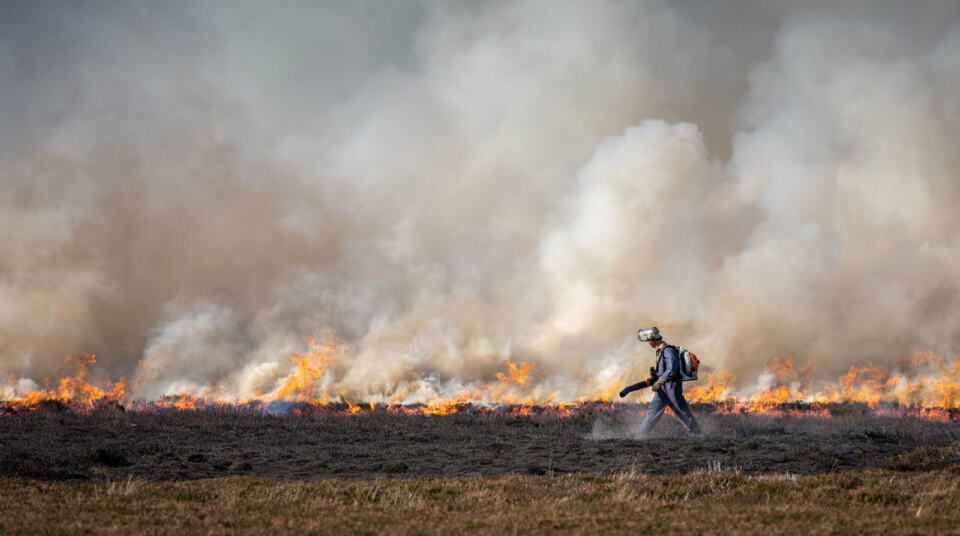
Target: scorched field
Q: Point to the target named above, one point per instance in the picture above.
(477, 470)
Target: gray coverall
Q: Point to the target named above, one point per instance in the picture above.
(670, 394)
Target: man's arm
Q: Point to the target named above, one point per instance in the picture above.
(670, 364)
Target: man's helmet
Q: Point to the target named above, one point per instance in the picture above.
(649, 334)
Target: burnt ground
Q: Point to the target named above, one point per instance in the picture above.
(115, 444)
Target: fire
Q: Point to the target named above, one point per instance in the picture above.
(717, 387)
(946, 387)
(499, 392)
(884, 392)
(352, 408)
(516, 372)
(784, 370)
(771, 399)
(931, 390)
(781, 367)
(447, 406)
(305, 381)
(184, 403)
(76, 389)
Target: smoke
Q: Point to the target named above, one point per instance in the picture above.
(190, 190)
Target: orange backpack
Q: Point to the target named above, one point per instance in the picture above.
(689, 363)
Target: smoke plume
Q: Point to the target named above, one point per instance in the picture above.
(189, 190)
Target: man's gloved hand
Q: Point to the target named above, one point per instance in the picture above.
(624, 393)
(659, 383)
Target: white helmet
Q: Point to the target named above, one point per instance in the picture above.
(649, 334)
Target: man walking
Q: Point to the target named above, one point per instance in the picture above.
(668, 386)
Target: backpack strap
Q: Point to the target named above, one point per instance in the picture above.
(660, 357)
(664, 347)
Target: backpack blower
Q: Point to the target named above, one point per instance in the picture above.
(689, 364)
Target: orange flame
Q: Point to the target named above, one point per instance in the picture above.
(304, 382)
(75, 389)
(932, 390)
(717, 387)
(516, 372)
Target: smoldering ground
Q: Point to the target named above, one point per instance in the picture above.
(113, 445)
(188, 190)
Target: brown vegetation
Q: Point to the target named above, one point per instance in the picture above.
(711, 500)
(238, 471)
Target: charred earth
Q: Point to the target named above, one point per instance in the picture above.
(55, 444)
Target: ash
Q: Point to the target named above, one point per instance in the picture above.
(54, 444)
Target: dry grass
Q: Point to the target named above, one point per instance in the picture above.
(714, 501)
(742, 477)
(241, 472)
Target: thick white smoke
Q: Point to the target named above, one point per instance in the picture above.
(189, 190)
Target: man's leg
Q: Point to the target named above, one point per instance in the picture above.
(654, 412)
(676, 401)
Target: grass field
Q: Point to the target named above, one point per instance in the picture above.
(709, 501)
(226, 472)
